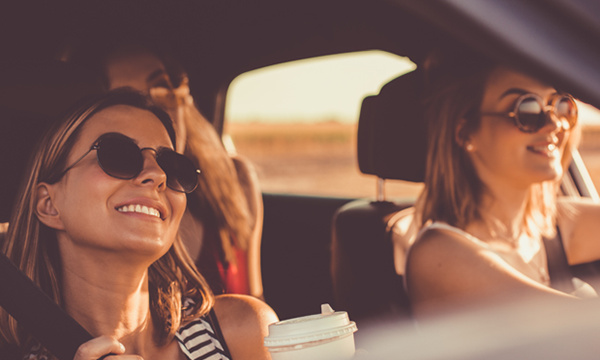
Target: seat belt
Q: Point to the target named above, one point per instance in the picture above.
(36, 312)
(559, 270)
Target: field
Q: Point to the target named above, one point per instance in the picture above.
(320, 159)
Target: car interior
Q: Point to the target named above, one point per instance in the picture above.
(314, 249)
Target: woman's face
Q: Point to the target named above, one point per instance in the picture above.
(91, 203)
(144, 71)
(500, 151)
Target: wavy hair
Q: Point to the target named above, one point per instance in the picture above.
(33, 247)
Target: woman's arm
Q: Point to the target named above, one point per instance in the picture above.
(244, 321)
(447, 271)
(579, 223)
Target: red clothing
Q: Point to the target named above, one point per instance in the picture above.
(224, 278)
(235, 276)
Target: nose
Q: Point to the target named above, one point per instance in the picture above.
(555, 123)
(152, 174)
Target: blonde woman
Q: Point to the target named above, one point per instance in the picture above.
(499, 144)
(96, 229)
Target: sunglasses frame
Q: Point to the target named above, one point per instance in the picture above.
(545, 110)
(96, 146)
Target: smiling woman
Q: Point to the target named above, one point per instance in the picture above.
(96, 229)
(489, 217)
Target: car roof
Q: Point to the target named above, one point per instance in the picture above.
(217, 40)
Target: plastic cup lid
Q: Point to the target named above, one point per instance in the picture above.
(328, 325)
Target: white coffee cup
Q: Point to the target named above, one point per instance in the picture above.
(329, 335)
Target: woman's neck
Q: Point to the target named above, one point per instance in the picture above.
(110, 298)
(502, 213)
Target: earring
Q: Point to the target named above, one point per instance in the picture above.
(469, 147)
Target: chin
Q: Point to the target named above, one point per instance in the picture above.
(551, 174)
(153, 248)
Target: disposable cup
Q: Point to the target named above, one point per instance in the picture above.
(328, 335)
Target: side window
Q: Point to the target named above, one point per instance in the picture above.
(589, 145)
(297, 123)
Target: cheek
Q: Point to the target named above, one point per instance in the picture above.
(178, 204)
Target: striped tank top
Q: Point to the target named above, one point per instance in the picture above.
(202, 339)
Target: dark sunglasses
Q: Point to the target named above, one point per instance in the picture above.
(120, 157)
(530, 114)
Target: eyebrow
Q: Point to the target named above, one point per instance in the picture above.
(512, 91)
(518, 91)
(155, 74)
(134, 141)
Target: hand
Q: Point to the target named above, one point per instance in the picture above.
(105, 348)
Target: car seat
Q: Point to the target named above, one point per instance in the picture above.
(391, 144)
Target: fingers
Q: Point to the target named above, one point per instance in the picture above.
(105, 348)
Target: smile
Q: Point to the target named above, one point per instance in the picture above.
(547, 149)
(141, 209)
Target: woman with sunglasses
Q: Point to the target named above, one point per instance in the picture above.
(96, 229)
(499, 144)
(223, 223)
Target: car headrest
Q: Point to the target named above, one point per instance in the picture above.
(392, 134)
(32, 96)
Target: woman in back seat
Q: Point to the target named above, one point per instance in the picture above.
(500, 143)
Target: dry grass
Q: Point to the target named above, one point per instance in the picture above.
(320, 159)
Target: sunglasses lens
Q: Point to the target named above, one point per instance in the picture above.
(530, 114)
(181, 172)
(120, 157)
(566, 108)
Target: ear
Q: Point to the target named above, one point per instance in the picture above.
(45, 210)
(461, 136)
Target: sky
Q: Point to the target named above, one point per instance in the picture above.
(325, 88)
(329, 87)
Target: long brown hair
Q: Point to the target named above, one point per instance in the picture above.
(32, 246)
(454, 88)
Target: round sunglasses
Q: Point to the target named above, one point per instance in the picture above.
(530, 114)
(121, 158)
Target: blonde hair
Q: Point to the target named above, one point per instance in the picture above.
(33, 248)
(453, 191)
(219, 198)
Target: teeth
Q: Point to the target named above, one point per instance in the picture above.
(142, 209)
(544, 148)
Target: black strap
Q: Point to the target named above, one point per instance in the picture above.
(38, 314)
(559, 270)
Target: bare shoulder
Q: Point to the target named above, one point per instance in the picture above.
(244, 321)
(244, 307)
(445, 267)
(436, 252)
(440, 241)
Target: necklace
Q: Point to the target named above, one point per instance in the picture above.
(523, 252)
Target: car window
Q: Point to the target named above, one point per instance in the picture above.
(589, 146)
(297, 123)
